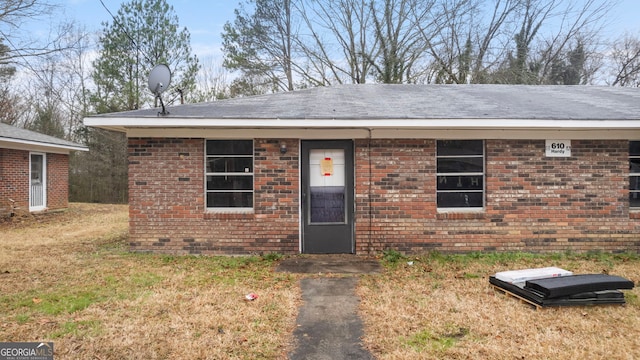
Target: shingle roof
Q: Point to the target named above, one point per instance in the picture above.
(14, 135)
(378, 101)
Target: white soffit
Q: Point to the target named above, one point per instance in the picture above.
(374, 128)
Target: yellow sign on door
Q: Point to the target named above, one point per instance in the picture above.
(326, 166)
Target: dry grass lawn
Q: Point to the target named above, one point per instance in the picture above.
(442, 307)
(67, 277)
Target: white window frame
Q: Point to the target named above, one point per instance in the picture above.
(482, 174)
(248, 174)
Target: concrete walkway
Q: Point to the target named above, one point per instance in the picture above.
(324, 264)
(328, 323)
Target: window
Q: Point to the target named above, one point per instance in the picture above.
(634, 174)
(460, 174)
(229, 173)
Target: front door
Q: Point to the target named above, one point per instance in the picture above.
(327, 197)
(37, 182)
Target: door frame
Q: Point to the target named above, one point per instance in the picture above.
(43, 181)
(348, 229)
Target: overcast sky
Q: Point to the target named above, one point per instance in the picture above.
(205, 18)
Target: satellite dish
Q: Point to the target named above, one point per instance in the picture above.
(159, 80)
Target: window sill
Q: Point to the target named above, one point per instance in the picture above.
(229, 213)
(634, 214)
(460, 214)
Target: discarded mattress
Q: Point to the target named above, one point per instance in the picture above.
(576, 284)
(520, 277)
(566, 290)
(538, 299)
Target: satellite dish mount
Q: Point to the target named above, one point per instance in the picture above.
(159, 81)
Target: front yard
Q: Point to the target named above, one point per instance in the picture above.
(442, 307)
(67, 278)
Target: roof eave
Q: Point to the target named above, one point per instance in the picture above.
(21, 144)
(123, 123)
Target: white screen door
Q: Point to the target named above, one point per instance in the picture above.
(37, 182)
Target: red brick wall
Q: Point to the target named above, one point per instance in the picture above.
(57, 181)
(533, 203)
(401, 192)
(167, 203)
(14, 179)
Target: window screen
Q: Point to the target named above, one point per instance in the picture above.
(460, 174)
(229, 173)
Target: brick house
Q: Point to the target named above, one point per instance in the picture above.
(364, 168)
(34, 170)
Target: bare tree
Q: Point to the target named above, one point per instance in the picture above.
(515, 41)
(575, 44)
(303, 43)
(532, 14)
(401, 44)
(448, 40)
(75, 66)
(489, 54)
(625, 61)
(14, 14)
(259, 44)
(11, 105)
(340, 44)
(212, 81)
(406, 41)
(56, 87)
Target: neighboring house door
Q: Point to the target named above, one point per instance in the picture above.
(327, 197)
(37, 182)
